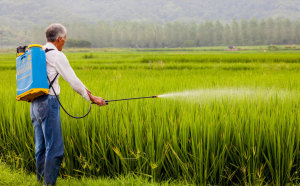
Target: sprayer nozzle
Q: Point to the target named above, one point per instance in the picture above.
(154, 96)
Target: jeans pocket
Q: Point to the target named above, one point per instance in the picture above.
(40, 108)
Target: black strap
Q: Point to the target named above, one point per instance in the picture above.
(48, 50)
(50, 83)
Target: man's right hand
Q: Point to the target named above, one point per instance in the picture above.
(97, 100)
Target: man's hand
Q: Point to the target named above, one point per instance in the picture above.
(97, 100)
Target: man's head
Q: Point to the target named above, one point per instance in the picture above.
(56, 33)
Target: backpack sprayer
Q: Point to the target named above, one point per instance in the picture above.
(32, 79)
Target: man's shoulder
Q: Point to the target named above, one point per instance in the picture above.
(61, 54)
(56, 53)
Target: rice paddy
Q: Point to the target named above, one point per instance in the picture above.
(221, 118)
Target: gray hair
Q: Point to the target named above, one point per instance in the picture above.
(54, 31)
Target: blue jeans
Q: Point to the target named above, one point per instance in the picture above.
(49, 147)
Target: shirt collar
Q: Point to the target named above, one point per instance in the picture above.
(49, 46)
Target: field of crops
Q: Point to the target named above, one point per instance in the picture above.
(225, 117)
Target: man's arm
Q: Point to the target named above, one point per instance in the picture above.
(64, 68)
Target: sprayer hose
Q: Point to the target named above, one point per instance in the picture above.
(76, 117)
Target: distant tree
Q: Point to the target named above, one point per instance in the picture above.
(296, 32)
(235, 31)
(72, 43)
(201, 35)
(218, 33)
(227, 35)
(270, 31)
(278, 31)
(262, 31)
(244, 32)
(287, 32)
(253, 32)
(209, 33)
(192, 35)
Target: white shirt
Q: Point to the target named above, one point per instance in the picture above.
(57, 62)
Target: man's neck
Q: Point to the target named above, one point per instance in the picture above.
(53, 43)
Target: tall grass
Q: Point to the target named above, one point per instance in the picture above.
(216, 140)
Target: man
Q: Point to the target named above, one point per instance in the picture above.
(45, 110)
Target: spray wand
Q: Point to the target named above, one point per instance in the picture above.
(107, 101)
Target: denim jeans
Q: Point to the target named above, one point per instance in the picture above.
(49, 147)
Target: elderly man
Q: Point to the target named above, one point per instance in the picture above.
(45, 115)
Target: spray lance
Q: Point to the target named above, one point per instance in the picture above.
(126, 99)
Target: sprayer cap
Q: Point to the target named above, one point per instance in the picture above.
(35, 45)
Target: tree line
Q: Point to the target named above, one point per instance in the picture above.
(173, 34)
(181, 34)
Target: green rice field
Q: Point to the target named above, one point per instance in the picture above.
(222, 117)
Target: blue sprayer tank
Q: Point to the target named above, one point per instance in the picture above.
(31, 69)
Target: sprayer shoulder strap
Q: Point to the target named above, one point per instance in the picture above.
(48, 50)
(50, 83)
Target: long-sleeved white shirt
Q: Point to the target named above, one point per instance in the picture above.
(57, 62)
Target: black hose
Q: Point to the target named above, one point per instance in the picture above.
(76, 117)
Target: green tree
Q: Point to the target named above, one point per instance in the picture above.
(278, 31)
(287, 32)
(227, 40)
(73, 43)
(235, 31)
(253, 32)
(296, 32)
(218, 33)
(201, 35)
(262, 32)
(270, 31)
(244, 32)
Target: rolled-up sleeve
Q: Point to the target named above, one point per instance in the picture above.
(64, 68)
